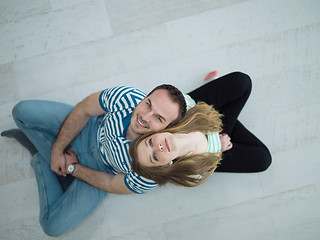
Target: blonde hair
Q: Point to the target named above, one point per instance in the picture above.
(201, 118)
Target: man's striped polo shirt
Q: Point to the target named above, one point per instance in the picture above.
(119, 103)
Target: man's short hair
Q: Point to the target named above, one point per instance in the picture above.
(177, 97)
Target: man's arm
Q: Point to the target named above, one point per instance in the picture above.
(71, 127)
(105, 181)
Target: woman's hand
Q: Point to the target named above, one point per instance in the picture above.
(70, 157)
(226, 143)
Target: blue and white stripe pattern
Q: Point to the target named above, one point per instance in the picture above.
(214, 143)
(190, 103)
(119, 103)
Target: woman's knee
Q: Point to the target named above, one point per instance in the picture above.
(243, 81)
(265, 160)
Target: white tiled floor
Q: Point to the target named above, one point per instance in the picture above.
(65, 50)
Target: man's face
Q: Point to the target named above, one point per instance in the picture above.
(154, 113)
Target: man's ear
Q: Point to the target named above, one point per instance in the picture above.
(143, 99)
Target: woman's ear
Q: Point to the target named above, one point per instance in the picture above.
(187, 155)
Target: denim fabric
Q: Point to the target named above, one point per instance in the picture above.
(59, 211)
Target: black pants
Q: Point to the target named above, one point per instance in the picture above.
(228, 95)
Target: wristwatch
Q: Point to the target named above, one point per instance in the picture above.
(71, 168)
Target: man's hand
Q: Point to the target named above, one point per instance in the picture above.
(70, 157)
(58, 162)
(226, 143)
(71, 127)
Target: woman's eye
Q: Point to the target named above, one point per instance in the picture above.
(150, 142)
(155, 157)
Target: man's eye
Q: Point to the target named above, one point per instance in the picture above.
(150, 142)
(148, 105)
(155, 157)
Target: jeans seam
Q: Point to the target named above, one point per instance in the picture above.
(44, 193)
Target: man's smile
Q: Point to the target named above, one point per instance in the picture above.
(140, 123)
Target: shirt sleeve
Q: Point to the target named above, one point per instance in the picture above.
(214, 143)
(189, 101)
(119, 98)
(138, 184)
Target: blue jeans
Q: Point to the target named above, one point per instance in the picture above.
(59, 211)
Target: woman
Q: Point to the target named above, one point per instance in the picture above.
(228, 95)
(185, 154)
(246, 153)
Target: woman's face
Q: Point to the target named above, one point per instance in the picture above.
(157, 150)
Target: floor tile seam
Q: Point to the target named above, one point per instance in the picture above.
(211, 49)
(85, 43)
(270, 35)
(73, 5)
(48, 11)
(26, 17)
(286, 149)
(91, 81)
(250, 200)
(170, 59)
(19, 180)
(12, 61)
(304, 187)
(198, 214)
(164, 62)
(49, 52)
(274, 35)
(303, 67)
(227, 46)
(294, 226)
(164, 22)
(126, 33)
(15, 222)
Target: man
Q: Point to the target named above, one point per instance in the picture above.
(162, 106)
(92, 145)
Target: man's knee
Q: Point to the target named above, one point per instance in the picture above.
(47, 114)
(50, 228)
(51, 231)
(25, 112)
(19, 111)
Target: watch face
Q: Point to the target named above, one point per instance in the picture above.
(70, 168)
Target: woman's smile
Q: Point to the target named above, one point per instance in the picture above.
(167, 144)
